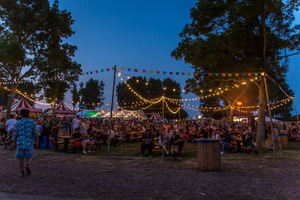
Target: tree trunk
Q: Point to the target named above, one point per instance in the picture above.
(231, 116)
(10, 100)
(261, 135)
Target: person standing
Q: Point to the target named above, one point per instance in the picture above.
(46, 131)
(76, 123)
(10, 125)
(66, 124)
(55, 130)
(24, 136)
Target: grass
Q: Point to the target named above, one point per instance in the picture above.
(134, 150)
(190, 151)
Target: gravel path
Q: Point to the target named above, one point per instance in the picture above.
(78, 176)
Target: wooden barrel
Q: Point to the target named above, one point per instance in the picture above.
(208, 152)
(284, 140)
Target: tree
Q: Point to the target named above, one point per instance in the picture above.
(242, 37)
(31, 37)
(92, 93)
(75, 96)
(149, 91)
(3, 97)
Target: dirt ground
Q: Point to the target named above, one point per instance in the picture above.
(243, 176)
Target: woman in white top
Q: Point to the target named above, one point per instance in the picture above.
(83, 127)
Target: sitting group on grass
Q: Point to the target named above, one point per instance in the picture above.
(168, 136)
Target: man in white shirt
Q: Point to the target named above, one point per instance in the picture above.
(10, 124)
(76, 123)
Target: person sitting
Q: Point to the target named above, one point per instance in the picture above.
(147, 143)
(227, 142)
(276, 134)
(250, 142)
(95, 139)
(80, 141)
(174, 143)
(181, 142)
(162, 143)
(86, 141)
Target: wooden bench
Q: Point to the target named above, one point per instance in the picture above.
(137, 138)
(55, 145)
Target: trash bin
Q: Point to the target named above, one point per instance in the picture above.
(208, 153)
(284, 140)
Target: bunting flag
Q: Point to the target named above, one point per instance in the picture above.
(58, 77)
(274, 81)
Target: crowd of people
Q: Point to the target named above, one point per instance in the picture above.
(22, 133)
(169, 137)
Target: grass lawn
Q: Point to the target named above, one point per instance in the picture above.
(190, 151)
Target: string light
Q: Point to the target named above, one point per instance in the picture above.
(174, 112)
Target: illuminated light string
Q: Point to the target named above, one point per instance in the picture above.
(139, 96)
(144, 107)
(93, 104)
(172, 99)
(27, 97)
(275, 105)
(173, 112)
(250, 75)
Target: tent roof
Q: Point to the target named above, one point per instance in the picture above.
(156, 116)
(91, 113)
(126, 114)
(23, 104)
(61, 108)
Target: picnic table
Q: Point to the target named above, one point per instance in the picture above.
(136, 135)
(66, 142)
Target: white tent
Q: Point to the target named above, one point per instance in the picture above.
(267, 119)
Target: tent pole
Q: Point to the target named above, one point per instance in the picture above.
(111, 109)
(163, 109)
(270, 115)
(295, 109)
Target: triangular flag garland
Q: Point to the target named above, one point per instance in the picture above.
(151, 72)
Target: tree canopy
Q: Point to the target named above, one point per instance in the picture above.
(240, 37)
(150, 90)
(31, 43)
(92, 93)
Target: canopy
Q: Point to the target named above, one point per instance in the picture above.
(62, 109)
(127, 114)
(156, 116)
(23, 104)
(91, 114)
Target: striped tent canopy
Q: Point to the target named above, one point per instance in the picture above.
(156, 116)
(23, 104)
(62, 109)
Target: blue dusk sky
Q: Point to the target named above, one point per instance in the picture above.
(137, 34)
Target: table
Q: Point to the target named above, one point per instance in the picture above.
(135, 135)
(66, 140)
